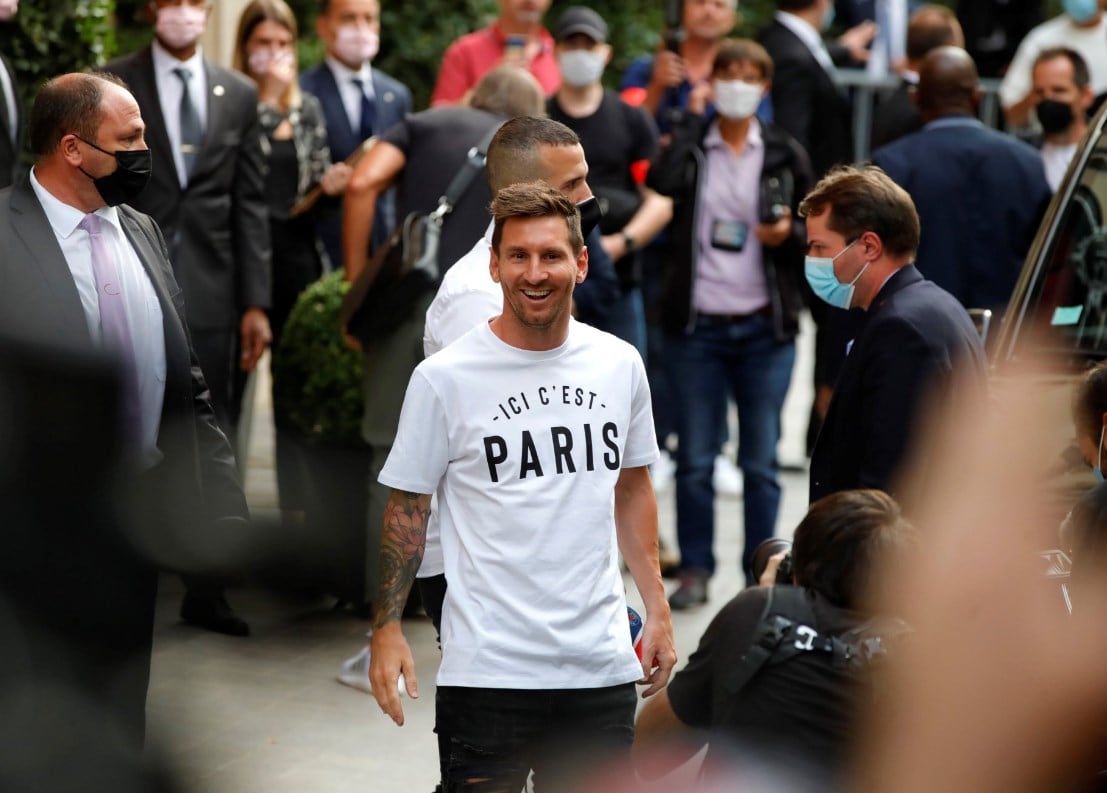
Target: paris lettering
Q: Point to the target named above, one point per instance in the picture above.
(561, 450)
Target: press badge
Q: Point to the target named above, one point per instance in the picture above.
(729, 235)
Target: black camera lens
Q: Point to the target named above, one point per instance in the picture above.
(766, 549)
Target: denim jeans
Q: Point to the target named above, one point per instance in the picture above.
(741, 357)
(626, 318)
(497, 736)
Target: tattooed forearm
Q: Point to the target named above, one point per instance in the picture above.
(402, 540)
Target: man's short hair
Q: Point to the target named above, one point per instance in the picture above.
(940, 29)
(508, 91)
(743, 51)
(1080, 75)
(513, 155)
(1089, 401)
(68, 104)
(866, 199)
(844, 540)
(535, 200)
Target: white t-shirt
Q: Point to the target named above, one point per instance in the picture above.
(466, 297)
(1056, 158)
(523, 450)
(1060, 31)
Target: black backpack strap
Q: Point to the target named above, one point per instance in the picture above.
(779, 634)
(474, 164)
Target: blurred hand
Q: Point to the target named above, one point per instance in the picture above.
(335, 178)
(998, 689)
(768, 575)
(255, 337)
(772, 235)
(856, 40)
(699, 97)
(668, 69)
(658, 652)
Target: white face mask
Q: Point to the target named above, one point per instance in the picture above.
(354, 45)
(8, 9)
(261, 59)
(580, 67)
(180, 27)
(736, 99)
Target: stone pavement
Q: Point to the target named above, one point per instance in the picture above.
(265, 714)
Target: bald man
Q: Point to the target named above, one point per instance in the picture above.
(980, 193)
(896, 115)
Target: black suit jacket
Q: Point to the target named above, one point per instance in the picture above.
(917, 344)
(39, 302)
(895, 116)
(806, 102)
(11, 146)
(218, 226)
(393, 102)
(81, 547)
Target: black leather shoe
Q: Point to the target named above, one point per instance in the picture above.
(213, 613)
(691, 592)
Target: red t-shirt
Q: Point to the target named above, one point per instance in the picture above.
(468, 58)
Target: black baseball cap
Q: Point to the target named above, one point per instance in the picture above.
(580, 19)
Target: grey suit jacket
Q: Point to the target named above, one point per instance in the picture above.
(11, 145)
(39, 303)
(218, 226)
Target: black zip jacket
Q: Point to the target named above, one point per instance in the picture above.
(678, 173)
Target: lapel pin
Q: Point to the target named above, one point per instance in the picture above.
(218, 90)
(389, 96)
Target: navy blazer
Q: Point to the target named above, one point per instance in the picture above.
(980, 195)
(917, 344)
(218, 225)
(393, 102)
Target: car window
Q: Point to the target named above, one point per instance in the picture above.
(1064, 313)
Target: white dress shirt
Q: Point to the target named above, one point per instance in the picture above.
(811, 38)
(170, 89)
(144, 314)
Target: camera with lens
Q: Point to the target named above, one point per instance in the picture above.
(776, 197)
(766, 549)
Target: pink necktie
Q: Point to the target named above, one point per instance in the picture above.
(114, 330)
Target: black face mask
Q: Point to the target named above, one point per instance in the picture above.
(1054, 116)
(129, 178)
(590, 214)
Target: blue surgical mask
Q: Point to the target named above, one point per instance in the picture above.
(819, 272)
(1081, 10)
(1098, 470)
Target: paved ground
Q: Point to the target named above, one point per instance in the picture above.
(265, 714)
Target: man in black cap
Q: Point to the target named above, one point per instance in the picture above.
(619, 142)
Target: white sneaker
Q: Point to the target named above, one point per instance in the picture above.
(727, 477)
(662, 471)
(355, 671)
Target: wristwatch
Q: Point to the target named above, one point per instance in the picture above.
(629, 243)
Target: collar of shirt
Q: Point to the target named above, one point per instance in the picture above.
(343, 74)
(954, 121)
(65, 218)
(808, 35)
(164, 63)
(714, 138)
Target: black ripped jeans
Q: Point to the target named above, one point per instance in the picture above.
(497, 736)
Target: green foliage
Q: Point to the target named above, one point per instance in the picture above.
(317, 379)
(50, 37)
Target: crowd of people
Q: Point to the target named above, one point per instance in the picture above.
(613, 274)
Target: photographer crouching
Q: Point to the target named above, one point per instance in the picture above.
(781, 669)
